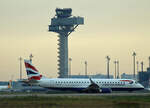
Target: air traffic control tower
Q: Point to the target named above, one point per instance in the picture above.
(64, 24)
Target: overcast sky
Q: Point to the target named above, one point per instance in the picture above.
(112, 27)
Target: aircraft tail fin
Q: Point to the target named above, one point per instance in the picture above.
(32, 72)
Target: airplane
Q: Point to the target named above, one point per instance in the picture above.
(6, 87)
(79, 85)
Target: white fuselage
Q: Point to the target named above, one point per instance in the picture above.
(3, 87)
(79, 84)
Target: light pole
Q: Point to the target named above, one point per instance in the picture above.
(20, 59)
(117, 69)
(134, 54)
(115, 62)
(31, 56)
(108, 60)
(70, 60)
(85, 68)
(149, 61)
(142, 66)
(137, 63)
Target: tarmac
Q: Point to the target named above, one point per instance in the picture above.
(71, 94)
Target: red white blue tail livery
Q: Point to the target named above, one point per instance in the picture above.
(32, 72)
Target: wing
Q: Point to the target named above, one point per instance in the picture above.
(94, 88)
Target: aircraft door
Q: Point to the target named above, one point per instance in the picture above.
(52, 83)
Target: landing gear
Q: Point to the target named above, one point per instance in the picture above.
(130, 91)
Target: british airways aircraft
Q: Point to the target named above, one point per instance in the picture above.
(79, 85)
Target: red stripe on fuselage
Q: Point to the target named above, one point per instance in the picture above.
(30, 66)
(126, 80)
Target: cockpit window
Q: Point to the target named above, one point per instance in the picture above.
(131, 82)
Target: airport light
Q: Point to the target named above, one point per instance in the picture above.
(108, 60)
(31, 56)
(70, 60)
(137, 63)
(134, 55)
(117, 69)
(20, 59)
(142, 65)
(149, 61)
(64, 24)
(85, 68)
(115, 62)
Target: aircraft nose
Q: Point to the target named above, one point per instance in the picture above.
(141, 86)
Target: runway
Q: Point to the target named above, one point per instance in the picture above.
(71, 95)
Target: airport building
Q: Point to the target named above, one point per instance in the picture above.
(128, 76)
(144, 78)
(100, 76)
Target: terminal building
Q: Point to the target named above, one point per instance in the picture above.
(100, 76)
(128, 76)
(144, 77)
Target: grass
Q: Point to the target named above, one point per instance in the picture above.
(76, 102)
